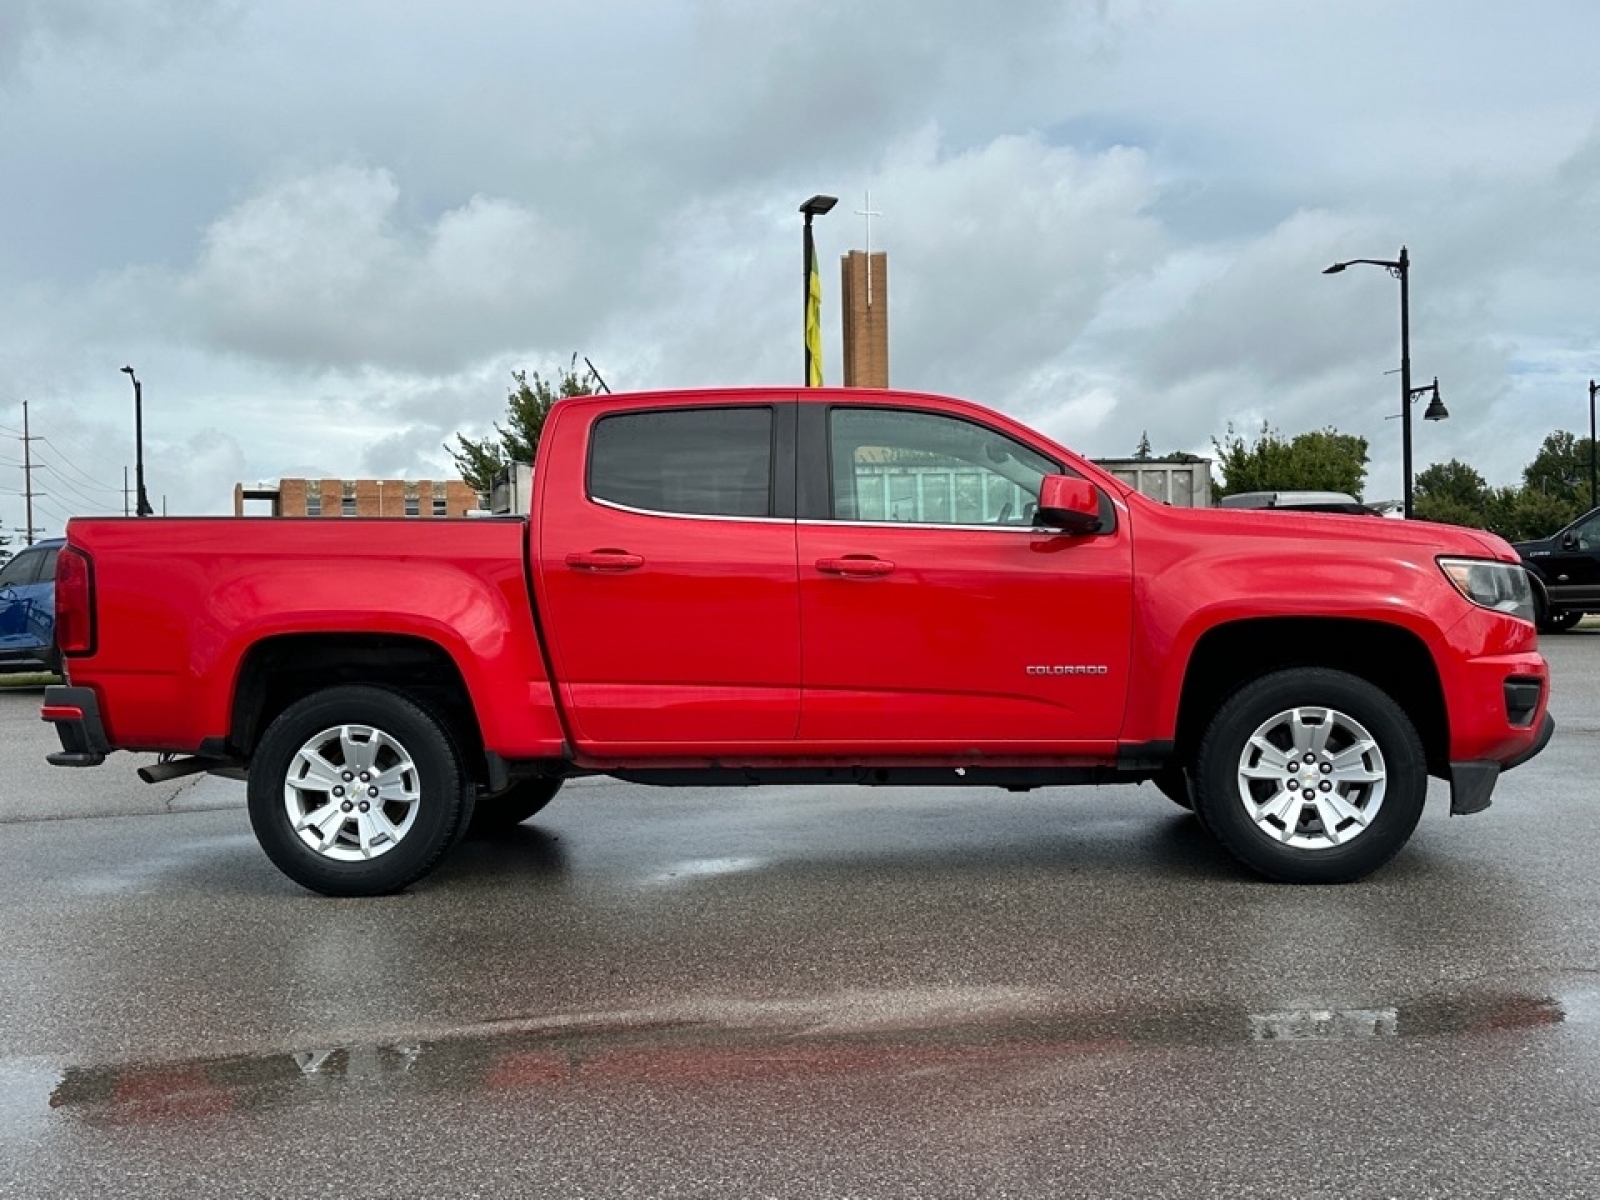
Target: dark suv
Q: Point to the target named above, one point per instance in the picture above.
(1566, 573)
(28, 610)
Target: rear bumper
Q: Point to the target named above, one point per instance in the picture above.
(1472, 783)
(75, 712)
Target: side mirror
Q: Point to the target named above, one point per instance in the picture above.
(1570, 542)
(1069, 504)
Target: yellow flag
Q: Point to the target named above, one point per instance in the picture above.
(813, 316)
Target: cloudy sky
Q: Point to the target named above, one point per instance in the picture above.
(324, 232)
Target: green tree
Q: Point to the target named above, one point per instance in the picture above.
(480, 459)
(1143, 453)
(1524, 513)
(1561, 470)
(1455, 494)
(1321, 460)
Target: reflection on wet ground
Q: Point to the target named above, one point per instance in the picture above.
(858, 1034)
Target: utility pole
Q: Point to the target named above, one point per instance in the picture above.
(27, 468)
(1593, 388)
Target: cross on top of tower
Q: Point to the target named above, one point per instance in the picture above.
(866, 214)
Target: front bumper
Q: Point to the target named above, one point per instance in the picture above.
(1472, 783)
(75, 712)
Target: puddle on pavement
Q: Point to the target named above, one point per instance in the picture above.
(860, 1034)
(706, 868)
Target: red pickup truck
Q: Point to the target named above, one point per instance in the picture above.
(823, 586)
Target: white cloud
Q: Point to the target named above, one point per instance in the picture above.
(320, 272)
(1001, 255)
(40, 29)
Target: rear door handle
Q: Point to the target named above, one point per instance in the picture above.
(853, 566)
(605, 560)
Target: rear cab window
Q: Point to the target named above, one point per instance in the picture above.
(695, 461)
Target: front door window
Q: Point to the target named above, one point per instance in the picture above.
(927, 469)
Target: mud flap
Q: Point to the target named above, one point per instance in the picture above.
(1472, 786)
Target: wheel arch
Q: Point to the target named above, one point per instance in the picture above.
(278, 671)
(1541, 588)
(1389, 657)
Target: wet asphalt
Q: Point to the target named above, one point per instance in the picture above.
(801, 993)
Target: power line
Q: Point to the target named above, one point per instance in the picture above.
(83, 480)
(92, 503)
(39, 500)
(88, 476)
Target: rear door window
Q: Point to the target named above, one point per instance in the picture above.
(698, 461)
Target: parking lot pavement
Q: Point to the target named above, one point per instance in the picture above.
(32, 791)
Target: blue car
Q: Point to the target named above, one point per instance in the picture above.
(28, 609)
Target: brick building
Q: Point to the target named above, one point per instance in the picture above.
(864, 291)
(358, 498)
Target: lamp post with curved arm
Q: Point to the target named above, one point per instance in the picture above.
(1400, 268)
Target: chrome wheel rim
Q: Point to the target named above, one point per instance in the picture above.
(352, 793)
(1312, 778)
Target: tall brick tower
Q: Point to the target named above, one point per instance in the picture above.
(864, 292)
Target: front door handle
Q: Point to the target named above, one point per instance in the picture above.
(605, 560)
(855, 566)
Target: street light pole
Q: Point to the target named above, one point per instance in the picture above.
(815, 207)
(1400, 268)
(1593, 388)
(141, 501)
(1403, 271)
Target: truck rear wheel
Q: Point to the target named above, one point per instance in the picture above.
(514, 805)
(1311, 776)
(356, 791)
(1173, 783)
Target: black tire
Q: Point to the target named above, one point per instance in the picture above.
(512, 807)
(1357, 768)
(415, 790)
(1559, 622)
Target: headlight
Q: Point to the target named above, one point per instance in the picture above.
(1501, 586)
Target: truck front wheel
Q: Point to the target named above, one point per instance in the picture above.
(356, 791)
(1558, 622)
(1311, 776)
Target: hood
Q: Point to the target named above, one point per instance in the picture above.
(1334, 528)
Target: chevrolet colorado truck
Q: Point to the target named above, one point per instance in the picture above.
(825, 586)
